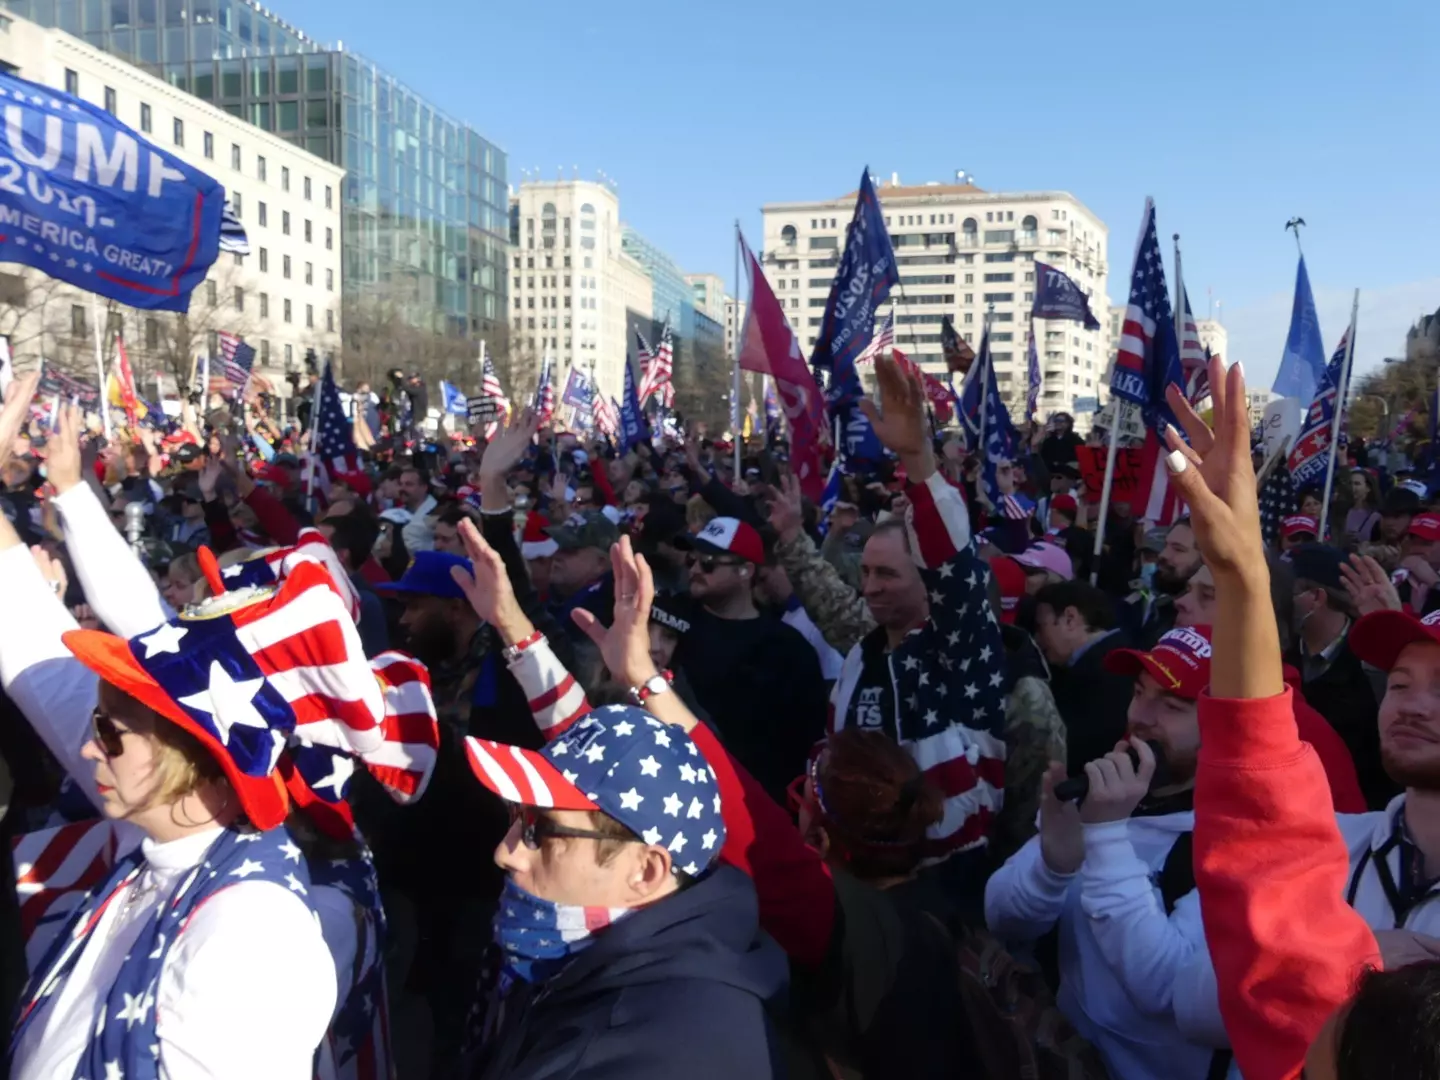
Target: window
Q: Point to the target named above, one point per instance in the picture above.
(264, 353)
(309, 273)
(285, 222)
(260, 167)
(330, 320)
(239, 298)
(264, 305)
(307, 230)
(287, 311)
(969, 298)
(788, 236)
(999, 297)
(327, 197)
(289, 355)
(991, 279)
(329, 238)
(110, 100)
(237, 203)
(306, 186)
(824, 243)
(235, 156)
(999, 236)
(77, 319)
(310, 316)
(329, 280)
(212, 293)
(285, 268)
(264, 261)
(209, 144)
(72, 82)
(264, 215)
(179, 132)
(284, 178)
(145, 118)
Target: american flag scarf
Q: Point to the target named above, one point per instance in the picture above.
(538, 937)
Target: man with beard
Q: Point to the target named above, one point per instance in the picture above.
(1176, 565)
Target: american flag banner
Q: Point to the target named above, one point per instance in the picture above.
(1147, 338)
(657, 369)
(334, 450)
(1194, 357)
(231, 370)
(545, 392)
(54, 869)
(490, 382)
(1277, 501)
(882, 342)
(607, 416)
(1310, 457)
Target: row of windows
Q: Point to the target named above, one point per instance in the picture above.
(287, 311)
(147, 123)
(237, 204)
(285, 268)
(549, 262)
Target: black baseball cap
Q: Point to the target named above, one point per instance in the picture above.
(1319, 563)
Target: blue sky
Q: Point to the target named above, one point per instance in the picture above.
(1234, 116)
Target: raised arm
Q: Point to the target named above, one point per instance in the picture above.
(1270, 863)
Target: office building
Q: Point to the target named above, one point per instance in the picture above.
(283, 298)
(708, 293)
(424, 200)
(734, 323)
(963, 252)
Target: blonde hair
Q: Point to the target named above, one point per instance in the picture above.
(698, 513)
(182, 763)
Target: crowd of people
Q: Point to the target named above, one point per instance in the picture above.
(529, 758)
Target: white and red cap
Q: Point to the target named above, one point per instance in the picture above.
(1299, 525)
(726, 536)
(1379, 638)
(1425, 526)
(1179, 662)
(535, 543)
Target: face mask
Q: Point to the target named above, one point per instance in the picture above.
(538, 937)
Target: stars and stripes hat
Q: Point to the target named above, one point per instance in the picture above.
(1299, 525)
(620, 760)
(726, 536)
(242, 671)
(1379, 638)
(1179, 662)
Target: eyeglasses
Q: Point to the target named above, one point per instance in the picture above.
(708, 563)
(536, 828)
(107, 733)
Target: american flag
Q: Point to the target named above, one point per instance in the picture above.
(231, 370)
(545, 392)
(1277, 502)
(490, 382)
(54, 869)
(1310, 457)
(882, 342)
(334, 450)
(607, 416)
(232, 233)
(1194, 357)
(1148, 311)
(657, 369)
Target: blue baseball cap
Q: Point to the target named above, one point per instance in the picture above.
(429, 575)
(620, 760)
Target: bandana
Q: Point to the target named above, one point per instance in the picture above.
(538, 937)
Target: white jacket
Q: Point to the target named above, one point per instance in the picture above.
(1119, 952)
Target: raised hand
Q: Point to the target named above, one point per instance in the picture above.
(787, 508)
(899, 421)
(16, 410)
(1369, 586)
(63, 466)
(51, 569)
(625, 646)
(488, 588)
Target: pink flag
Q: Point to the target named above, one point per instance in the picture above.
(769, 346)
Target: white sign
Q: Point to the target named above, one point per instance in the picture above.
(1087, 404)
(1281, 422)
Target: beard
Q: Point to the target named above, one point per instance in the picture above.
(432, 643)
(1169, 580)
(1411, 770)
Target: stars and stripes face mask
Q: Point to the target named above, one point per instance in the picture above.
(538, 937)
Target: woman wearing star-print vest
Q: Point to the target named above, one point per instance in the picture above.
(344, 889)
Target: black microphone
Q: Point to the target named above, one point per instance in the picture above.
(1077, 787)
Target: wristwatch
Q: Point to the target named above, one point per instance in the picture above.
(656, 684)
(511, 653)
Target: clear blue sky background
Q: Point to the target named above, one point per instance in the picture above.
(1233, 115)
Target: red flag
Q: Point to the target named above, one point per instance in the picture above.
(769, 346)
(939, 395)
(126, 382)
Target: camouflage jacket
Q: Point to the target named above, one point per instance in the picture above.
(1034, 737)
(838, 610)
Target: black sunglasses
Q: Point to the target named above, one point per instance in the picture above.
(107, 733)
(536, 828)
(708, 563)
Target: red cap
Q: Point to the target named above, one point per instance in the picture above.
(535, 542)
(1011, 579)
(1064, 502)
(1179, 662)
(1425, 526)
(726, 536)
(1380, 637)
(1298, 525)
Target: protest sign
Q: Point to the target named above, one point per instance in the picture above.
(482, 410)
(1126, 484)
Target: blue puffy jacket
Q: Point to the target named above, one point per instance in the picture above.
(676, 989)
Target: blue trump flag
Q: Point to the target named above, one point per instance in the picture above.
(1057, 297)
(986, 419)
(453, 399)
(634, 429)
(863, 280)
(1304, 357)
(90, 202)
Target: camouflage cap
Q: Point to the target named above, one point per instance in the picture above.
(591, 529)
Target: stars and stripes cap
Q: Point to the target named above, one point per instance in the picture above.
(726, 536)
(620, 760)
(1379, 638)
(1299, 525)
(1179, 662)
(242, 670)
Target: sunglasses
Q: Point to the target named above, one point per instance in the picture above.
(536, 828)
(107, 733)
(708, 563)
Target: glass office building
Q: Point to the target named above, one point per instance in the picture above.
(425, 214)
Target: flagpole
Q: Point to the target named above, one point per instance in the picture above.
(100, 368)
(735, 377)
(1340, 393)
(1179, 312)
(314, 434)
(1105, 488)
